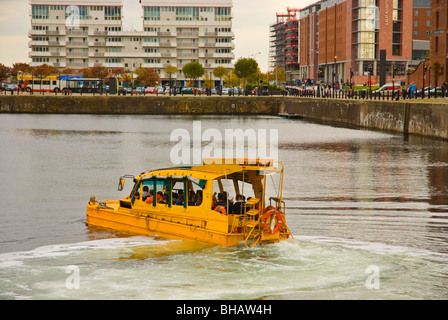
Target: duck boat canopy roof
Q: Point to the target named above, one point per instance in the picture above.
(213, 168)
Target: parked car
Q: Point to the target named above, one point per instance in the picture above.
(150, 90)
(10, 87)
(160, 90)
(388, 87)
(432, 90)
(190, 90)
(265, 91)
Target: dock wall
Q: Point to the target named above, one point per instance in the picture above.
(407, 117)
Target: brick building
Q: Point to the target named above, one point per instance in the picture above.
(341, 40)
(438, 64)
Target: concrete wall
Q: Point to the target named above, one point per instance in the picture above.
(420, 118)
(138, 104)
(415, 117)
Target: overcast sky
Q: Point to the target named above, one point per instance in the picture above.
(251, 20)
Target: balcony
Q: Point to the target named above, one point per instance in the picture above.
(153, 65)
(77, 65)
(38, 43)
(75, 32)
(77, 44)
(39, 54)
(77, 54)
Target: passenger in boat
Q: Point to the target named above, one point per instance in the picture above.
(145, 193)
(175, 198)
(193, 200)
(151, 197)
(199, 194)
(180, 198)
(159, 196)
(220, 201)
(238, 206)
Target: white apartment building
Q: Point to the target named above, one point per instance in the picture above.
(84, 33)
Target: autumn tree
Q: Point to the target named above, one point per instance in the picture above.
(99, 72)
(220, 72)
(170, 70)
(232, 80)
(69, 71)
(20, 67)
(147, 77)
(5, 72)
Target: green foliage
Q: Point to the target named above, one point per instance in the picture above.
(193, 70)
(245, 67)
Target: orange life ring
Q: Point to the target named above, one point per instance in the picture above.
(269, 212)
(221, 210)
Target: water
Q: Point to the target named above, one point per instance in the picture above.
(368, 211)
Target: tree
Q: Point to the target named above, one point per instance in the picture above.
(208, 83)
(232, 80)
(99, 72)
(277, 74)
(220, 72)
(170, 70)
(20, 67)
(245, 67)
(147, 77)
(69, 71)
(5, 72)
(193, 70)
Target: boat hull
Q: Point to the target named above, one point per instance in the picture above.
(144, 224)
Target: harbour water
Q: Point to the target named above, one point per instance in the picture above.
(368, 210)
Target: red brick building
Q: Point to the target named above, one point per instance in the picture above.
(309, 42)
(438, 64)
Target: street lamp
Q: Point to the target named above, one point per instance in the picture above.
(424, 71)
(351, 75)
(393, 80)
(370, 79)
(32, 81)
(334, 71)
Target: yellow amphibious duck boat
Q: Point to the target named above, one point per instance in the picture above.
(222, 201)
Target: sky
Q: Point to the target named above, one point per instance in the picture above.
(251, 21)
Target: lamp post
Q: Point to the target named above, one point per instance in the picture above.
(32, 81)
(351, 76)
(370, 80)
(393, 80)
(334, 71)
(424, 71)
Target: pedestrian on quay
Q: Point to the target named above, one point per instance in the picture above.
(444, 89)
(411, 90)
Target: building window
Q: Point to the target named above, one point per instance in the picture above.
(112, 13)
(40, 11)
(151, 13)
(113, 60)
(187, 14)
